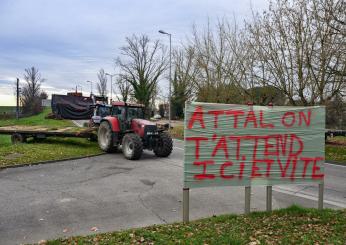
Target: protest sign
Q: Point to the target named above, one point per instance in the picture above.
(239, 145)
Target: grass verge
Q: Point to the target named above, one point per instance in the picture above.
(336, 153)
(336, 149)
(38, 120)
(43, 150)
(177, 132)
(294, 225)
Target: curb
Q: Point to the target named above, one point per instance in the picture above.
(49, 161)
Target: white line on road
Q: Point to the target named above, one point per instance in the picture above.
(336, 165)
(309, 197)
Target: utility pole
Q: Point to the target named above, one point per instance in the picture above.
(17, 107)
(170, 76)
(91, 87)
(111, 75)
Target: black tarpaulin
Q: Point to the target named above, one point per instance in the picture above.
(72, 107)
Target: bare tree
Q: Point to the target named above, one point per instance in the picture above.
(183, 80)
(298, 51)
(30, 97)
(222, 63)
(124, 88)
(102, 83)
(142, 64)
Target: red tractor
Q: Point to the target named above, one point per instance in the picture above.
(127, 127)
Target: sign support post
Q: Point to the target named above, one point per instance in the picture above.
(320, 194)
(269, 198)
(247, 199)
(248, 188)
(186, 204)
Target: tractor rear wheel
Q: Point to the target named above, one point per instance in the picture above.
(132, 146)
(105, 138)
(165, 145)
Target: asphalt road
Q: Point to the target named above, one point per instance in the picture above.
(108, 192)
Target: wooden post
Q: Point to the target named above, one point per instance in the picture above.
(320, 195)
(186, 205)
(269, 198)
(269, 187)
(17, 95)
(247, 205)
(247, 199)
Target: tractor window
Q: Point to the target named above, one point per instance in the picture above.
(134, 112)
(118, 111)
(103, 111)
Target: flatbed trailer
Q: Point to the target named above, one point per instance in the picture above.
(19, 134)
(334, 132)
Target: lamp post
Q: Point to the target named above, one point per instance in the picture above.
(170, 75)
(111, 75)
(91, 86)
(81, 89)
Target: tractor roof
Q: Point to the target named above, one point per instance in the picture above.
(121, 103)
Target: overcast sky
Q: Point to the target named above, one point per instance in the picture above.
(70, 40)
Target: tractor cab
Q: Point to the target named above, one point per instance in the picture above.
(126, 112)
(101, 110)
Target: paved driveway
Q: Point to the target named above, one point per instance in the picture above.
(108, 192)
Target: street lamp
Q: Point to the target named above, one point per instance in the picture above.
(91, 86)
(170, 75)
(81, 89)
(111, 75)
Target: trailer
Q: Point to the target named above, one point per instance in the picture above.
(334, 132)
(19, 134)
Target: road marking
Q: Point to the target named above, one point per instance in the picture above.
(336, 165)
(309, 197)
(178, 148)
(179, 140)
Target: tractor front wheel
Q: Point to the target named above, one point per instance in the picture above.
(165, 145)
(132, 146)
(105, 138)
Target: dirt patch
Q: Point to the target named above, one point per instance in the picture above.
(13, 156)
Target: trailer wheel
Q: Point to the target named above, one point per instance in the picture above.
(165, 145)
(132, 146)
(105, 139)
(93, 138)
(17, 138)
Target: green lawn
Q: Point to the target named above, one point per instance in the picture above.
(294, 225)
(7, 109)
(336, 150)
(336, 153)
(44, 150)
(38, 120)
(177, 132)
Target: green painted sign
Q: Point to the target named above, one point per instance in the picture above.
(241, 145)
